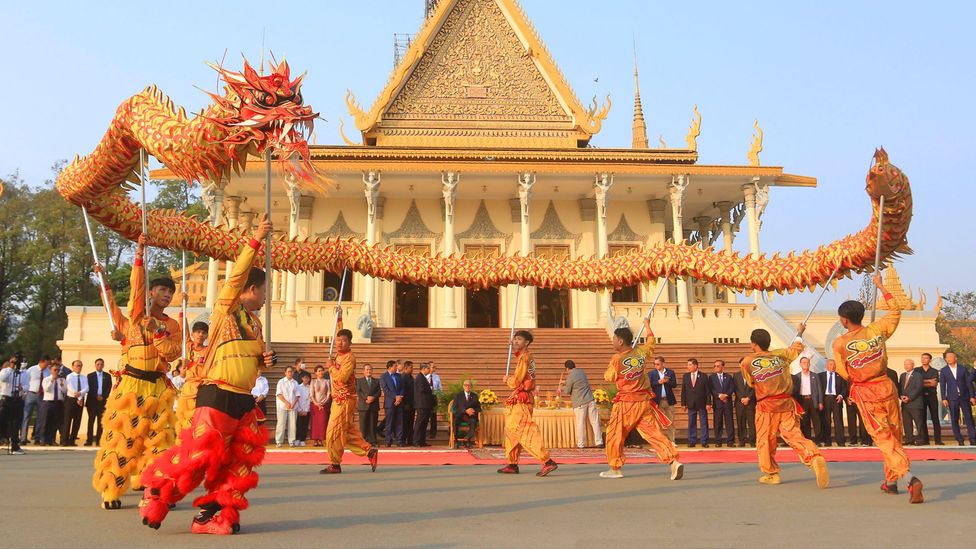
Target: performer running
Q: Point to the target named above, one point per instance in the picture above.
(634, 405)
(342, 431)
(138, 419)
(776, 410)
(224, 442)
(195, 357)
(520, 431)
(862, 359)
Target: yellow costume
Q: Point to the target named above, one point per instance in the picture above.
(342, 431)
(634, 407)
(520, 431)
(187, 401)
(138, 420)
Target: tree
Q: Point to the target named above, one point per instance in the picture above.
(956, 325)
(14, 265)
(959, 306)
(174, 195)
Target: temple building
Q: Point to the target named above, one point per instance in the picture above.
(477, 145)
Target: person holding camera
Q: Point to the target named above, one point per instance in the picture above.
(11, 405)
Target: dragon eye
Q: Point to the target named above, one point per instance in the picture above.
(298, 98)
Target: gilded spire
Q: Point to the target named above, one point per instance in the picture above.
(639, 140)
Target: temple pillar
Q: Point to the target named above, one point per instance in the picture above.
(232, 210)
(245, 221)
(725, 209)
(213, 199)
(601, 191)
(371, 181)
(704, 237)
(449, 183)
(656, 237)
(676, 193)
(752, 218)
(526, 311)
(291, 280)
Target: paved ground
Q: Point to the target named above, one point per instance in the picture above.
(46, 501)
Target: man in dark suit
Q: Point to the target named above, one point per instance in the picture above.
(930, 400)
(807, 391)
(745, 409)
(368, 404)
(393, 392)
(722, 389)
(423, 400)
(696, 397)
(956, 385)
(99, 389)
(409, 410)
(466, 410)
(663, 382)
(835, 394)
(857, 434)
(912, 405)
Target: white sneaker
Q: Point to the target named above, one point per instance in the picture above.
(277, 445)
(612, 473)
(303, 443)
(677, 470)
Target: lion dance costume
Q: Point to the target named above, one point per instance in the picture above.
(778, 413)
(342, 431)
(224, 443)
(521, 432)
(138, 419)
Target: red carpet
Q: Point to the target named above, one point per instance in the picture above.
(493, 456)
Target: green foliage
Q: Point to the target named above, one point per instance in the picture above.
(960, 336)
(959, 306)
(173, 195)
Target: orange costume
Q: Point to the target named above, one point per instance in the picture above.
(862, 359)
(520, 431)
(776, 410)
(634, 406)
(224, 441)
(343, 432)
(187, 401)
(138, 420)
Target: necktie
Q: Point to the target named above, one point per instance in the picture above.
(830, 384)
(54, 382)
(906, 380)
(694, 378)
(78, 383)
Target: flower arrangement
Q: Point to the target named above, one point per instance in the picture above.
(487, 398)
(601, 397)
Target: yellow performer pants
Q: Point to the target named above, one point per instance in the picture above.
(624, 417)
(137, 425)
(343, 432)
(784, 424)
(521, 433)
(882, 419)
(185, 405)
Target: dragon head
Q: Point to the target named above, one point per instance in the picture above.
(884, 178)
(262, 112)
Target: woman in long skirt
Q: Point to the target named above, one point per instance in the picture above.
(320, 395)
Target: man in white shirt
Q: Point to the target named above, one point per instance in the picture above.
(75, 389)
(304, 405)
(260, 394)
(11, 405)
(286, 401)
(809, 393)
(52, 407)
(435, 384)
(835, 391)
(30, 388)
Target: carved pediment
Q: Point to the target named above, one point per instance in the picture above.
(623, 233)
(483, 228)
(552, 228)
(341, 229)
(413, 227)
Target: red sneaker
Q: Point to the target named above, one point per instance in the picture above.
(510, 469)
(214, 526)
(915, 491)
(889, 488)
(373, 456)
(547, 468)
(331, 470)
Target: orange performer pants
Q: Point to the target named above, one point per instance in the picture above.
(647, 419)
(521, 433)
(780, 418)
(882, 420)
(343, 432)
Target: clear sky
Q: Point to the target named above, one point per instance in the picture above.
(829, 81)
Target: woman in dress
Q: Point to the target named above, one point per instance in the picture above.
(321, 393)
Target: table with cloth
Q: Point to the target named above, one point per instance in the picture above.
(558, 426)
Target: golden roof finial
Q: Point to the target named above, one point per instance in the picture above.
(757, 145)
(639, 140)
(694, 131)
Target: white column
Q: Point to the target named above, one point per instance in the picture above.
(752, 216)
(245, 220)
(291, 280)
(526, 311)
(449, 182)
(676, 192)
(213, 198)
(704, 234)
(725, 209)
(601, 191)
(232, 210)
(656, 236)
(371, 181)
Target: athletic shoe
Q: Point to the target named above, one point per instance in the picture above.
(819, 466)
(772, 478)
(214, 526)
(17, 452)
(547, 468)
(677, 470)
(915, 491)
(612, 473)
(373, 455)
(889, 488)
(510, 469)
(278, 445)
(333, 469)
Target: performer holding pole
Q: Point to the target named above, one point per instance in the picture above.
(862, 359)
(343, 432)
(634, 405)
(338, 315)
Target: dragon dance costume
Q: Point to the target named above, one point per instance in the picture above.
(634, 407)
(521, 432)
(778, 413)
(342, 431)
(224, 442)
(138, 419)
